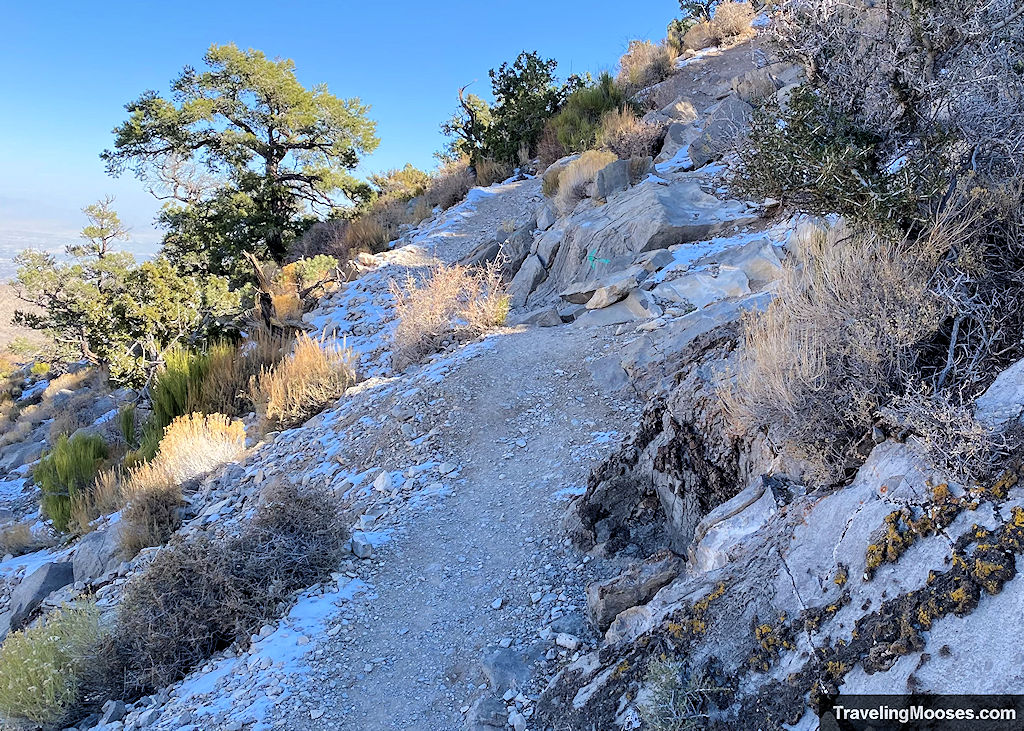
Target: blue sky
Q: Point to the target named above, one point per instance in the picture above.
(70, 67)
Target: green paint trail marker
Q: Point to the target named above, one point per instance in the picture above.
(594, 261)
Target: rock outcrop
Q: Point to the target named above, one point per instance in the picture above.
(891, 584)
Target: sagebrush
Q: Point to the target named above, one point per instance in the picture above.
(201, 595)
(448, 301)
(315, 374)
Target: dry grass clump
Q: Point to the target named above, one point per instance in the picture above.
(152, 514)
(103, 499)
(490, 171)
(577, 175)
(315, 374)
(644, 64)
(42, 667)
(456, 301)
(18, 539)
(201, 595)
(732, 21)
(230, 368)
(625, 134)
(731, 24)
(839, 339)
(193, 445)
(450, 184)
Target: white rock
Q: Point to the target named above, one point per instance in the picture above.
(569, 642)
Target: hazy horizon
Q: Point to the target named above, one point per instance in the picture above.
(70, 92)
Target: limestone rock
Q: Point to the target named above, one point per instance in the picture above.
(35, 587)
(361, 546)
(612, 178)
(1003, 402)
(514, 250)
(482, 254)
(681, 110)
(635, 586)
(530, 274)
(505, 668)
(678, 137)
(655, 215)
(546, 215)
(97, 553)
(486, 713)
(754, 86)
(613, 290)
(608, 373)
(727, 525)
(722, 130)
(547, 317)
(701, 289)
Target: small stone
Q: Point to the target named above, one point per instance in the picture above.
(517, 721)
(361, 546)
(496, 604)
(445, 468)
(569, 642)
(383, 482)
(316, 713)
(148, 718)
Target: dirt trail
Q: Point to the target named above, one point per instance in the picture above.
(525, 421)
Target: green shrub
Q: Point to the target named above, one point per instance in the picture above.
(42, 667)
(176, 383)
(678, 701)
(67, 470)
(201, 595)
(577, 124)
(811, 156)
(126, 424)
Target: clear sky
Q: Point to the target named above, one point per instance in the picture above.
(69, 68)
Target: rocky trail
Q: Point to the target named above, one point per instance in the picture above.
(482, 577)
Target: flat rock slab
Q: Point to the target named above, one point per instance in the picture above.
(654, 215)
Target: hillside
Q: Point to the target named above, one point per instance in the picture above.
(622, 441)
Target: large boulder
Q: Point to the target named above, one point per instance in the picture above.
(612, 178)
(97, 553)
(35, 587)
(599, 240)
(754, 86)
(514, 250)
(899, 581)
(724, 127)
(700, 289)
(530, 274)
(678, 139)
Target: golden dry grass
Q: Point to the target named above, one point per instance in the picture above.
(450, 184)
(449, 301)
(731, 24)
(18, 539)
(103, 499)
(315, 374)
(490, 171)
(577, 175)
(625, 134)
(192, 446)
(151, 516)
(838, 339)
(644, 64)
